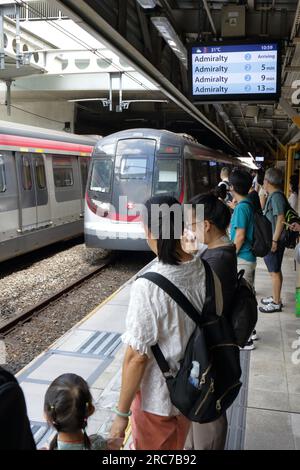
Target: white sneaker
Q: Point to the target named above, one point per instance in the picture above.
(248, 346)
(266, 300)
(269, 300)
(271, 308)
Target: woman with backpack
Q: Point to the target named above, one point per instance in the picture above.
(154, 318)
(221, 256)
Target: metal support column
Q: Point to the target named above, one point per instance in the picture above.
(119, 106)
(8, 97)
(18, 39)
(2, 51)
(297, 293)
(110, 92)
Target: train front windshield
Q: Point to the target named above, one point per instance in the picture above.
(101, 176)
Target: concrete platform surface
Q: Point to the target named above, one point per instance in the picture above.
(266, 414)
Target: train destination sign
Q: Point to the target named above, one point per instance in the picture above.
(235, 72)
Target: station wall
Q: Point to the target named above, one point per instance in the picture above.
(48, 114)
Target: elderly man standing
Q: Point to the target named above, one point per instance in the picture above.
(275, 209)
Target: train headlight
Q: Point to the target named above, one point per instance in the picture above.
(104, 206)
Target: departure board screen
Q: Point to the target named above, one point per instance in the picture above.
(235, 72)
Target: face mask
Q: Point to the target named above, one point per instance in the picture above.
(201, 248)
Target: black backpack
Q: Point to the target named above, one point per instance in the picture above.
(262, 234)
(243, 313)
(208, 380)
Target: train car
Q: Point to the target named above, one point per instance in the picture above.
(43, 177)
(137, 164)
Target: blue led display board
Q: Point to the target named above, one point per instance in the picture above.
(235, 72)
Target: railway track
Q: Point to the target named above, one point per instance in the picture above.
(26, 316)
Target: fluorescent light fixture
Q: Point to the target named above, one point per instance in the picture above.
(86, 99)
(167, 31)
(147, 3)
(250, 155)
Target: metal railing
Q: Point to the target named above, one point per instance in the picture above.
(37, 11)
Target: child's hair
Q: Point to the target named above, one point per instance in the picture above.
(68, 401)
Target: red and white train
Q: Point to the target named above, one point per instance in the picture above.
(43, 176)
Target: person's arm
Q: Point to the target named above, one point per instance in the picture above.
(278, 230)
(134, 366)
(279, 207)
(239, 239)
(141, 333)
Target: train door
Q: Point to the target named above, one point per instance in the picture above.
(43, 209)
(83, 164)
(133, 171)
(27, 191)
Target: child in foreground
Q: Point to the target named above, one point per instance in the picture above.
(67, 407)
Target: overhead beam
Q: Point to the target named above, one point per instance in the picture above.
(145, 30)
(287, 108)
(208, 12)
(84, 14)
(280, 145)
(293, 68)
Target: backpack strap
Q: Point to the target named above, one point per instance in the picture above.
(249, 203)
(176, 294)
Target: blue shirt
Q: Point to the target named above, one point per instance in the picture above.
(243, 217)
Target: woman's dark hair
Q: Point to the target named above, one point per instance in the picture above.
(294, 183)
(221, 191)
(215, 211)
(67, 405)
(241, 181)
(157, 217)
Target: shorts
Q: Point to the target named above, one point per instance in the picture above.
(274, 260)
(249, 268)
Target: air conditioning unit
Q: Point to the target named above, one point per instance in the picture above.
(233, 21)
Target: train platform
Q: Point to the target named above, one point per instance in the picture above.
(266, 414)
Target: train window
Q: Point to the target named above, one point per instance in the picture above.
(27, 178)
(101, 176)
(166, 176)
(40, 174)
(63, 172)
(2, 176)
(84, 168)
(134, 167)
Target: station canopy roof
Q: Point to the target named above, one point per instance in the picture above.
(137, 50)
